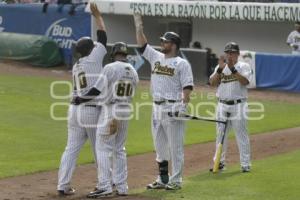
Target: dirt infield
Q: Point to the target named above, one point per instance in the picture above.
(142, 168)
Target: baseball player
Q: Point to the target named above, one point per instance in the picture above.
(120, 80)
(293, 39)
(81, 118)
(231, 77)
(171, 85)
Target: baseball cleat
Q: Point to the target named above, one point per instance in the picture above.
(173, 186)
(121, 193)
(66, 192)
(156, 185)
(245, 169)
(99, 193)
(221, 167)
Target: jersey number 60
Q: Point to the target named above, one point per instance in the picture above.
(124, 89)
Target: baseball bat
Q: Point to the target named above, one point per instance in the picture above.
(219, 148)
(186, 116)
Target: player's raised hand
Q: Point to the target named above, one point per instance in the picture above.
(140, 36)
(97, 15)
(222, 61)
(138, 21)
(94, 10)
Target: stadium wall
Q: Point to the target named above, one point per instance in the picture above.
(252, 35)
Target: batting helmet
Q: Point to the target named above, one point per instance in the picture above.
(231, 47)
(171, 37)
(84, 46)
(119, 48)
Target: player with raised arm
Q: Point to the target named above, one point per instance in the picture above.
(82, 118)
(171, 85)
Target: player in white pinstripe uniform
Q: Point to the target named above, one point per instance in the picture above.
(82, 119)
(120, 79)
(232, 77)
(171, 85)
(293, 39)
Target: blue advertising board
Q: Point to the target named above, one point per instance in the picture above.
(57, 25)
(280, 72)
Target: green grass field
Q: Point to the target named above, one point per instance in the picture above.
(31, 141)
(275, 178)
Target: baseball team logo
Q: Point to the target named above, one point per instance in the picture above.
(61, 33)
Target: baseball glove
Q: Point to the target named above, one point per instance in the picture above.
(113, 127)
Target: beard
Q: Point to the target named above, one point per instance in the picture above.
(165, 51)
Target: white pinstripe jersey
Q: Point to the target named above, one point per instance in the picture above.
(117, 82)
(230, 88)
(87, 70)
(169, 75)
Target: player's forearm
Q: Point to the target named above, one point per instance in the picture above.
(91, 94)
(215, 80)
(100, 23)
(186, 95)
(140, 36)
(241, 79)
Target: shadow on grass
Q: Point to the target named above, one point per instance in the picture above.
(225, 175)
(217, 176)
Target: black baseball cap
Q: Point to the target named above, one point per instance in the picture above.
(84, 46)
(171, 37)
(231, 47)
(119, 48)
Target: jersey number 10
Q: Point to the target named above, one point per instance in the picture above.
(82, 81)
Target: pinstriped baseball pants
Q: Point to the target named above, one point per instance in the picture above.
(238, 122)
(111, 153)
(168, 138)
(82, 121)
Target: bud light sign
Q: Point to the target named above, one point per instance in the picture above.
(63, 28)
(61, 33)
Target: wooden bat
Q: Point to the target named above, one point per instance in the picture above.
(220, 147)
(186, 116)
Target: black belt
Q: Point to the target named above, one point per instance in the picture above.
(231, 102)
(164, 101)
(91, 105)
(88, 105)
(84, 105)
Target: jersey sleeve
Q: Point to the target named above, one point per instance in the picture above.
(101, 37)
(98, 53)
(151, 54)
(246, 71)
(104, 79)
(186, 74)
